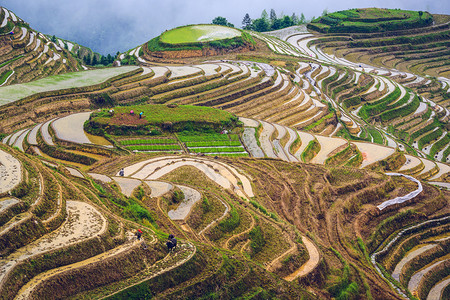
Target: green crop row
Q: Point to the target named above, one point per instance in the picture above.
(446, 153)
(421, 131)
(439, 145)
(430, 137)
(217, 149)
(377, 137)
(401, 112)
(203, 138)
(5, 76)
(148, 141)
(10, 61)
(378, 106)
(419, 39)
(213, 143)
(154, 147)
(317, 123)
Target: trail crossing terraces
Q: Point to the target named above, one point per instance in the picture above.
(10, 172)
(83, 222)
(311, 264)
(224, 175)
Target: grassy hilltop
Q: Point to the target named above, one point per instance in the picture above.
(370, 20)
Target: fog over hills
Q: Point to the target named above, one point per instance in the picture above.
(108, 26)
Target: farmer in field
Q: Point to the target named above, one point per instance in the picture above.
(140, 115)
(139, 234)
(121, 172)
(171, 242)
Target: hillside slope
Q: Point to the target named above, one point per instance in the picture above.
(27, 55)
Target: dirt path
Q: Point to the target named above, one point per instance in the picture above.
(226, 244)
(83, 222)
(311, 264)
(274, 262)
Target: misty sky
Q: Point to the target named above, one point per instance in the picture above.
(108, 26)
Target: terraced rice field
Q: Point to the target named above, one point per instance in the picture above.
(59, 82)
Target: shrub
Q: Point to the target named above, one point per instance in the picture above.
(230, 223)
(257, 240)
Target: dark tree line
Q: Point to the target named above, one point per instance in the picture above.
(271, 22)
(93, 59)
(222, 21)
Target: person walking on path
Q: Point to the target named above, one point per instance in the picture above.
(171, 243)
(139, 234)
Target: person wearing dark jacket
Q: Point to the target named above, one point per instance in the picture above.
(171, 243)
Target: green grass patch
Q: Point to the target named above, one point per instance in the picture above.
(310, 151)
(370, 20)
(198, 34)
(160, 117)
(10, 61)
(377, 136)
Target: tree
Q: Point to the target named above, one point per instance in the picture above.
(294, 19)
(302, 19)
(87, 59)
(220, 21)
(53, 39)
(260, 25)
(247, 22)
(276, 24)
(420, 14)
(273, 16)
(325, 11)
(286, 22)
(94, 60)
(265, 16)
